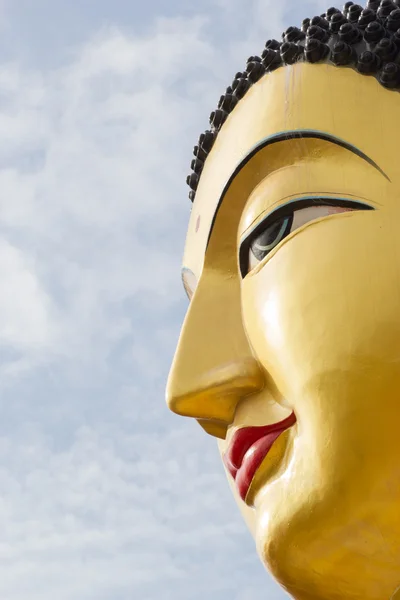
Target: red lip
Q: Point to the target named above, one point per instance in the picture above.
(248, 448)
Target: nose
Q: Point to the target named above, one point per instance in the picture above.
(213, 367)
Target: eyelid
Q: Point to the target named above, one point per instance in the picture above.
(299, 203)
(287, 209)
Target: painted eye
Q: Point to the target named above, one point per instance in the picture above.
(270, 237)
(272, 231)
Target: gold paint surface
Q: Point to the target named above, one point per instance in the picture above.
(314, 329)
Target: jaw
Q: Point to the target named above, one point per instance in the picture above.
(331, 531)
(313, 570)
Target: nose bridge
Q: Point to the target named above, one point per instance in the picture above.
(213, 367)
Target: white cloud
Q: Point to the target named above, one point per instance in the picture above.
(110, 515)
(25, 310)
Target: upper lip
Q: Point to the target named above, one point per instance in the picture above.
(244, 438)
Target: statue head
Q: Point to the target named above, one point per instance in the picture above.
(290, 350)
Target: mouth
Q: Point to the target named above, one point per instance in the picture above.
(248, 448)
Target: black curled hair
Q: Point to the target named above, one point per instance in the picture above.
(365, 39)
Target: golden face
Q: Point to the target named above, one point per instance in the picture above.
(290, 350)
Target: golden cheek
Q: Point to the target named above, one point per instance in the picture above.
(336, 280)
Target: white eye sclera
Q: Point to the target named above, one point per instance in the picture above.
(274, 232)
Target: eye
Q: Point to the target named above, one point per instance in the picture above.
(270, 237)
(278, 225)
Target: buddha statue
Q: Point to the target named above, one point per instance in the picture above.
(289, 353)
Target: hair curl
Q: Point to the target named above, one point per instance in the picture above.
(366, 39)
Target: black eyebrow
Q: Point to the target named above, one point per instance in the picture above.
(285, 136)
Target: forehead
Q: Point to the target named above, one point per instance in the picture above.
(324, 98)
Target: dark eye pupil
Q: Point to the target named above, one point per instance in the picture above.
(270, 237)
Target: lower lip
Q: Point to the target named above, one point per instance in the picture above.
(252, 461)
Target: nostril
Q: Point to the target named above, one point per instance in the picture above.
(214, 428)
(212, 403)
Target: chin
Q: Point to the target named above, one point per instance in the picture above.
(322, 547)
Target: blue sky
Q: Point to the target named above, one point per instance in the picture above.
(104, 494)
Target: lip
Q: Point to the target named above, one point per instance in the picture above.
(248, 448)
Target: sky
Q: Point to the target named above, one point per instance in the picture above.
(105, 495)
